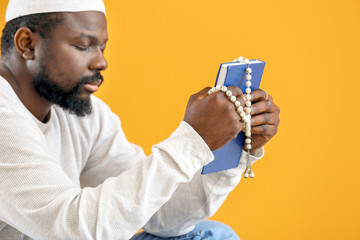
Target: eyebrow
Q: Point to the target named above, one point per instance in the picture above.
(91, 38)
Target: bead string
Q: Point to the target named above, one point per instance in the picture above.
(246, 117)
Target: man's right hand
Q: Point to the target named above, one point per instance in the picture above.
(214, 117)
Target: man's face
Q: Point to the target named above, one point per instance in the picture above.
(71, 60)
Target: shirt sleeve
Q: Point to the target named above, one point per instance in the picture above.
(40, 200)
(197, 200)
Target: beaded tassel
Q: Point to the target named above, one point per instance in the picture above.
(248, 170)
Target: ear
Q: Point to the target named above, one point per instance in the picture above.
(24, 43)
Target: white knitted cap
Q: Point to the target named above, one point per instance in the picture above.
(18, 8)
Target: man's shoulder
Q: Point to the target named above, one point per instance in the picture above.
(9, 102)
(15, 118)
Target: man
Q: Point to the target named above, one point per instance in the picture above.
(66, 176)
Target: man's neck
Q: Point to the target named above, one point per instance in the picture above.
(21, 83)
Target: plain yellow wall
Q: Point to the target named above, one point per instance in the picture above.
(307, 185)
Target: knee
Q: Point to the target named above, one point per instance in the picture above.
(216, 230)
(206, 230)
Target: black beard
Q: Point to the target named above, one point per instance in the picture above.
(68, 100)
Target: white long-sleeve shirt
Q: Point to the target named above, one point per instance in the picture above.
(79, 178)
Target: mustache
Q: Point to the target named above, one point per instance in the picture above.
(92, 79)
(96, 78)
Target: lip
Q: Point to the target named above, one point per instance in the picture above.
(92, 86)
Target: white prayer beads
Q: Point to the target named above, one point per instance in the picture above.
(245, 115)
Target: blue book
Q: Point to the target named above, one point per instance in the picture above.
(233, 74)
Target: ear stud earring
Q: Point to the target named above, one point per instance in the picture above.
(26, 56)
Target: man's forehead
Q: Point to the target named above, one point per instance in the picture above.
(89, 20)
(89, 25)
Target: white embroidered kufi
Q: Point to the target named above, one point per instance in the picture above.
(18, 8)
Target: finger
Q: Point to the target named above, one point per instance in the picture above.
(265, 106)
(242, 101)
(264, 118)
(203, 93)
(259, 95)
(238, 94)
(235, 91)
(265, 130)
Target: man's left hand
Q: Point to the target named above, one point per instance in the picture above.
(264, 118)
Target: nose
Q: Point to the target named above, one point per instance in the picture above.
(98, 62)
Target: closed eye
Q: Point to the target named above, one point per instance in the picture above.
(82, 48)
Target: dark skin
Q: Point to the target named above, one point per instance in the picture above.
(75, 50)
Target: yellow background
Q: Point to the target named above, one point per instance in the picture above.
(307, 185)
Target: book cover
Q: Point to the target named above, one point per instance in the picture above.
(233, 74)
